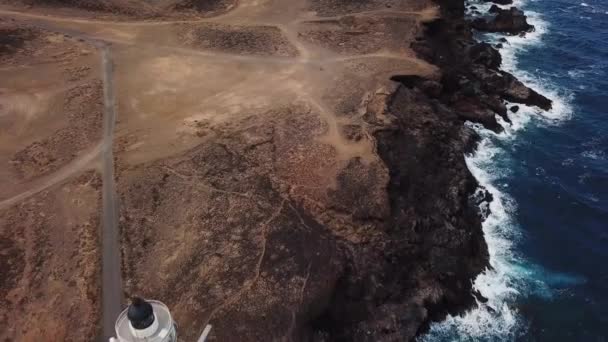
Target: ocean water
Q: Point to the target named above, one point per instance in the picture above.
(548, 172)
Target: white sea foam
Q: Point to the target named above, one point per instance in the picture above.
(594, 154)
(516, 45)
(510, 276)
(495, 318)
(513, 48)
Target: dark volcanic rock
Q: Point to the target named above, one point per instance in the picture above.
(514, 109)
(469, 110)
(431, 88)
(410, 81)
(425, 151)
(494, 9)
(485, 54)
(511, 21)
(481, 199)
(452, 8)
(433, 233)
(500, 2)
(13, 39)
(510, 88)
(471, 83)
(472, 89)
(480, 297)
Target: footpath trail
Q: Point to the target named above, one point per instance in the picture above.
(69, 170)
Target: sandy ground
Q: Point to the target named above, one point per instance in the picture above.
(50, 97)
(50, 124)
(241, 128)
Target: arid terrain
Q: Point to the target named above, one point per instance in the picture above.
(262, 173)
(50, 123)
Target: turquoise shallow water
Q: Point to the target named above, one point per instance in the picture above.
(548, 231)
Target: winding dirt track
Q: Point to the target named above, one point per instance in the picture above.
(68, 171)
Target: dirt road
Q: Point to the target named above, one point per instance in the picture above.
(111, 276)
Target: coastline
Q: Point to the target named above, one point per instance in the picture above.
(392, 246)
(433, 130)
(509, 276)
(489, 316)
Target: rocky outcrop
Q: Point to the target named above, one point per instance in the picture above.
(510, 88)
(472, 83)
(486, 55)
(12, 39)
(472, 88)
(510, 21)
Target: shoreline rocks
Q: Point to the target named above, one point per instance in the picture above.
(471, 88)
(511, 21)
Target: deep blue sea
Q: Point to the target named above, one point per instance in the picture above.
(548, 231)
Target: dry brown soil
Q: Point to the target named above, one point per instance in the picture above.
(50, 125)
(243, 152)
(49, 256)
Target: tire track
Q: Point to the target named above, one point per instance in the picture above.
(79, 164)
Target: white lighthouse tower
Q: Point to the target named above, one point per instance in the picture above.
(149, 321)
(145, 320)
